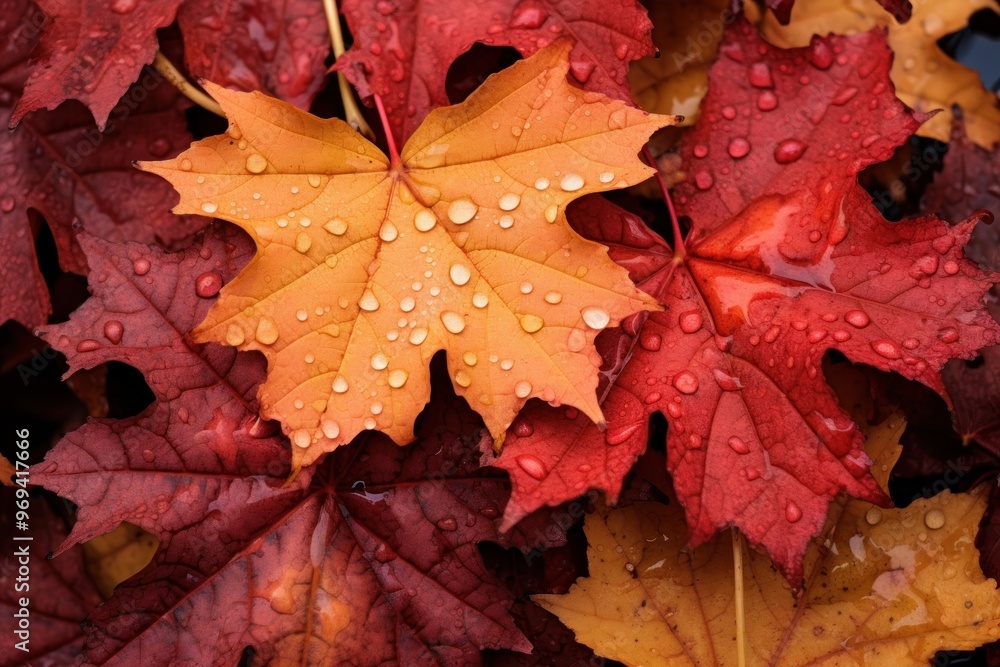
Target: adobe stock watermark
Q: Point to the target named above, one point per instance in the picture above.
(709, 34)
(39, 362)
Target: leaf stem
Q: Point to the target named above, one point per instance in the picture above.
(393, 153)
(351, 111)
(680, 252)
(741, 659)
(163, 65)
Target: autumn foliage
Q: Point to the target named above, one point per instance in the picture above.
(579, 355)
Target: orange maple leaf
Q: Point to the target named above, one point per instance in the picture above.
(367, 266)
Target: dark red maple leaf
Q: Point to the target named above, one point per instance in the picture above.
(403, 48)
(275, 47)
(786, 259)
(58, 164)
(60, 592)
(902, 10)
(971, 178)
(372, 555)
(92, 51)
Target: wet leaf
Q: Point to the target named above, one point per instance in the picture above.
(366, 267)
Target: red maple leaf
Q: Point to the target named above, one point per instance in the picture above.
(90, 50)
(58, 164)
(93, 50)
(60, 592)
(786, 259)
(900, 9)
(402, 49)
(970, 179)
(372, 555)
(276, 47)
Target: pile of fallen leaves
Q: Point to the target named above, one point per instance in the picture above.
(655, 334)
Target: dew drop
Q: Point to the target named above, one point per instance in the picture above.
(948, 335)
(522, 389)
(606, 177)
(760, 76)
(141, 266)
(792, 512)
(463, 379)
(551, 212)
(739, 147)
(256, 163)
(886, 349)
(418, 336)
(209, 207)
(571, 182)
(267, 331)
(596, 318)
(686, 382)
(577, 341)
(480, 300)
(934, 519)
(531, 323)
(370, 423)
(459, 274)
(397, 378)
(379, 361)
(873, 516)
(337, 227)
(509, 201)
(738, 445)
(113, 330)
(407, 304)
(368, 302)
(303, 242)
(532, 465)
(340, 384)
(691, 321)
(857, 318)
(789, 150)
(447, 525)
(542, 184)
(650, 341)
(453, 322)
(461, 211)
(617, 435)
(553, 298)
(235, 335)
(330, 428)
(506, 222)
(388, 232)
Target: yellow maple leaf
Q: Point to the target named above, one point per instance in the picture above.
(925, 77)
(889, 586)
(367, 265)
(114, 557)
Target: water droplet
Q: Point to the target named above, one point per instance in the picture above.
(886, 349)
(767, 101)
(185, 165)
(691, 321)
(123, 6)
(948, 335)
(857, 318)
(531, 323)
(577, 341)
(934, 519)
(7, 204)
(461, 211)
(873, 516)
(368, 302)
(650, 341)
(424, 220)
(596, 318)
(703, 180)
(235, 335)
(553, 298)
(616, 435)
(370, 423)
(739, 147)
(789, 151)
(418, 336)
(303, 242)
(463, 379)
(330, 428)
(340, 384)
(532, 465)
(447, 524)
(388, 232)
(522, 389)
(141, 266)
(267, 331)
(792, 512)
(728, 112)
(379, 361)
(453, 322)
(459, 274)
(738, 445)
(606, 177)
(760, 76)
(480, 300)
(256, 163)
(113, 330)
(686, 382)
(509, 201)
(376, 408)
(209, 207)
(571, 182)
(407, 304)
(551, 212)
